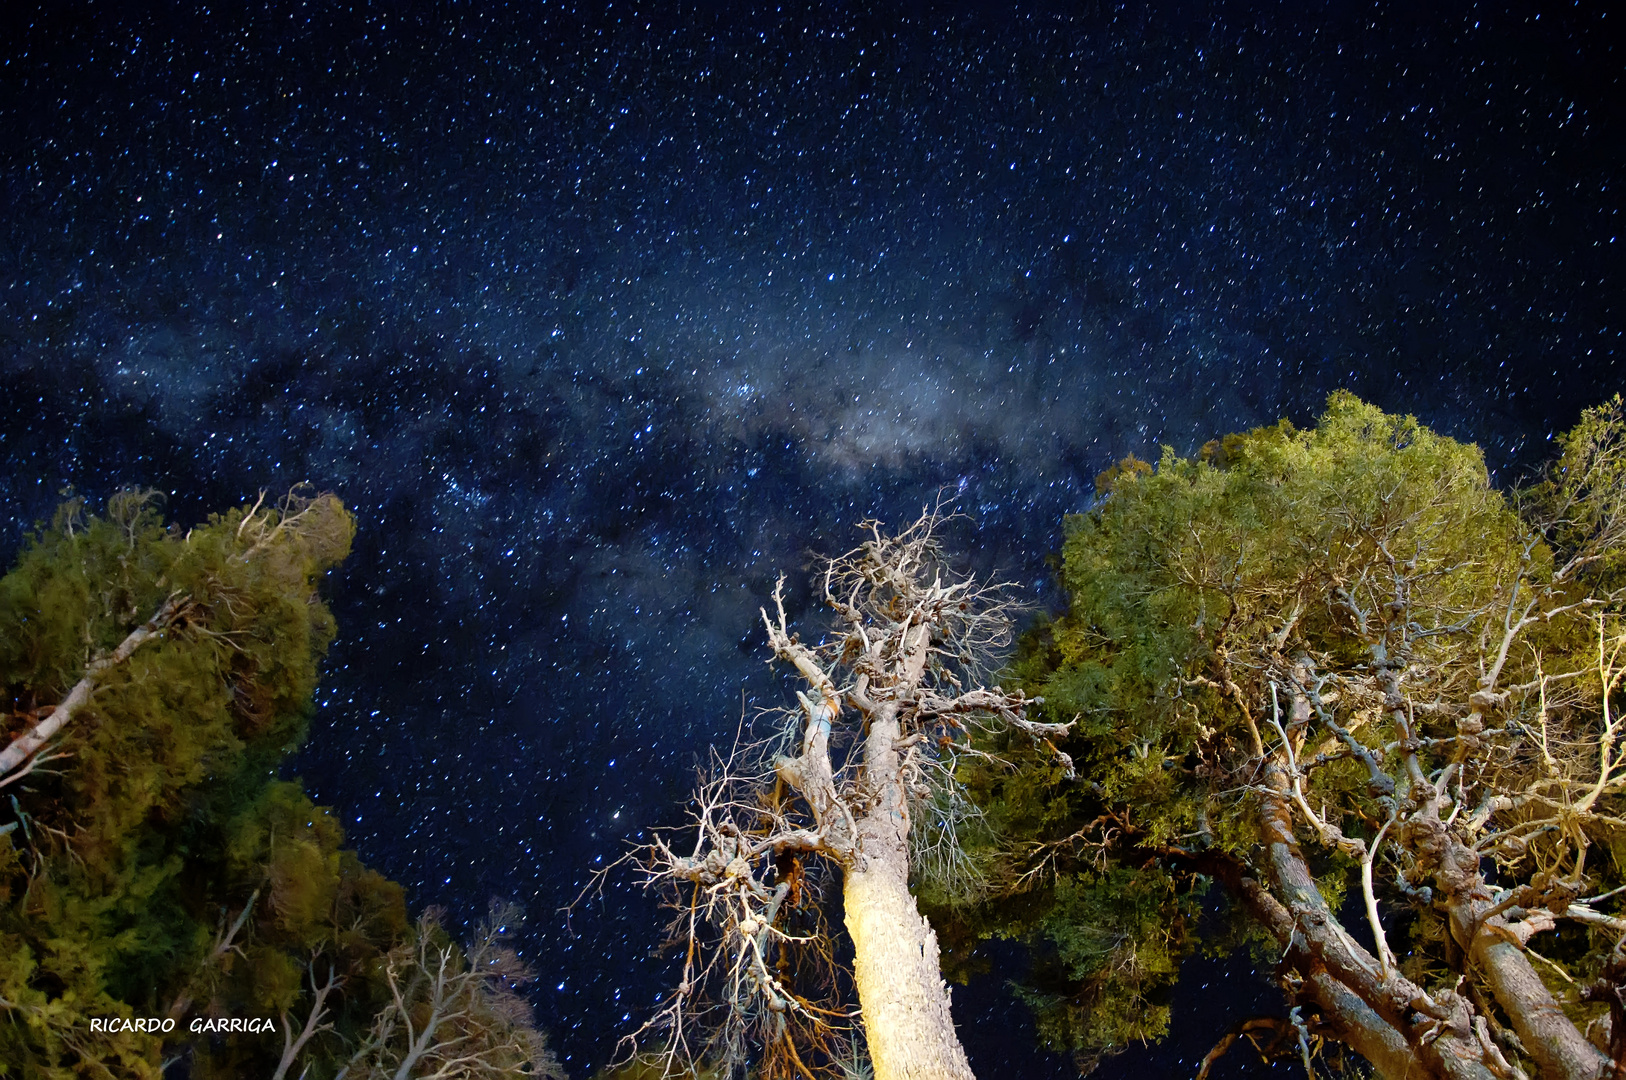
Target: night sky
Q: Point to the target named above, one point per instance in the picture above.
(600, 316)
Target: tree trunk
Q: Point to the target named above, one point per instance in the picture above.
(892, 617)
(1346, 980)
(1558, 1047)
(901, 993)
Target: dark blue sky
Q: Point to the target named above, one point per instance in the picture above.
(601, 316)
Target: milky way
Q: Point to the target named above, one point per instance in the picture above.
(600, 318)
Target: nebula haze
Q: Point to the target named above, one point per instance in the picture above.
(600, 318)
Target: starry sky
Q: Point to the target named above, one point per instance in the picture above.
(599, 316)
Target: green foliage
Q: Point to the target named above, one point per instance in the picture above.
(640, 1069)
(1191, 584)
(1176, 566)
(1113, 942)
(1583, 492)
(151, 864)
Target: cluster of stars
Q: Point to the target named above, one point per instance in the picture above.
(600, 320)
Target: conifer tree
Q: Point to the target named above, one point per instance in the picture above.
(1335, 684)
(152, 866)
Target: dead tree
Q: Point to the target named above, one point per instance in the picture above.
(453, 1015)
(889, 700)
(316, 1020)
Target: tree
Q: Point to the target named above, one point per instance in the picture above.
(1372, 704)
(454, 1015)
(152, 866)
(855, 787)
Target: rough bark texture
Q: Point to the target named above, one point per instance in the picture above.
(1559, 1049)
(1437, 1032)
(1367, 1033)
(906, 1005)
(900, 985)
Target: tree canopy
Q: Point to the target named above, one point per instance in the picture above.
(1340, 699)
(152, 865)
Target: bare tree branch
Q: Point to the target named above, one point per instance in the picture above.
(888, 706)
(28, 744)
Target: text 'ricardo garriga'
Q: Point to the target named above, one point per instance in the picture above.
(200, 1025)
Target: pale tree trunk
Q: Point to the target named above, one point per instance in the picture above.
(905, 1003)
(1558, 1047)
(902, 659)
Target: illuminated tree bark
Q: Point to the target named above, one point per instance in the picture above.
(885, 715)
(1339, 658)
